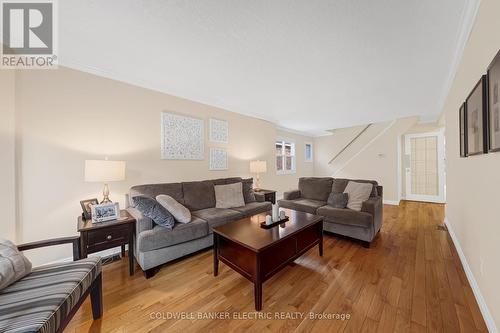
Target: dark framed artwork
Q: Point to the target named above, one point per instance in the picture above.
(463, 130)
(494, 104)
(476, 115)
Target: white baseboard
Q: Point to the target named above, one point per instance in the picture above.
(391, 202)
(490, 323)
(105, 253)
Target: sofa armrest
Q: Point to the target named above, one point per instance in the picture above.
(143, 222)
(374, 207)
(291, 195)
(259, 197)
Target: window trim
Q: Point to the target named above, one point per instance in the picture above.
(285, 141)
(305, 152)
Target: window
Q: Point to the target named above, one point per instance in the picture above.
(308, 152)
(285, 157)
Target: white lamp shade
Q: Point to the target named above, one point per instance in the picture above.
(104, 171)
(258, 166)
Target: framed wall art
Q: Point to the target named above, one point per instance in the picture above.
(494, 104)
(182, 137)
(476, 116)
(219, 130)
(218, 159)
(463, 130)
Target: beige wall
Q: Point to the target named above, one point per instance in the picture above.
(66, 116)
(7, 155)
(374, 157)
(473, 183)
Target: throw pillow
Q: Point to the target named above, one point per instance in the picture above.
(248, 194)
(358, 193)
(156, 212)
(180, 213)
(229, 196)
(338, 200)
(13, 264)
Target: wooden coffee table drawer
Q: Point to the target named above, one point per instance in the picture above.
(308, 237)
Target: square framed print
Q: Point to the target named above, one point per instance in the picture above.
(463, 130)
(476, 115)
(182, 137)
(494, 104)
(218, 159)
(219, 130)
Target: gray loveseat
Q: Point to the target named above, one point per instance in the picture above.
(156, 245)
(312, 196)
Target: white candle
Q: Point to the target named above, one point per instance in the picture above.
(269, 220)
(276, 213)
(282, 215)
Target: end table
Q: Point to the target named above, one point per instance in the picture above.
(266, 195)
(95, 237)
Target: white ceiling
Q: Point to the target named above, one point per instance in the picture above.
(305, 65)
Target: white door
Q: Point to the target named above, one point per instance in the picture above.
(425, 173)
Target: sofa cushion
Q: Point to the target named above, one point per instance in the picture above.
(303, 205)
(248, 194)
(199, 195)
(338, 200)
(159, 237)
(254, 208)
(229, 196)
(217, 216)
(339, 185)
(153, 190)
(358, 193)
(156, 212)
(13, 264)
(346, 216)
(315, 188)
(180, 213)
(40, 301)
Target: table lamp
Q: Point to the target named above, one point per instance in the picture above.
(104, 171)
(258, 167)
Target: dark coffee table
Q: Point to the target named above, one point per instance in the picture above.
(258, 253)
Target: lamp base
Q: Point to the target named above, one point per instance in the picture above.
(105, 194)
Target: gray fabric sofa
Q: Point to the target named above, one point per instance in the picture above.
(156, 245)
(312, 196)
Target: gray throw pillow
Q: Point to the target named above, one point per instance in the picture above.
(180, 213)
(358, 193)
(13, 264)
(229, 196)
(338, 200)
(156, 212)
(248, 194)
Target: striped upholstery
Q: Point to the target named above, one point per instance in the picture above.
(41, 301)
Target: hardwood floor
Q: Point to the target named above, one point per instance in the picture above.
(409, 280)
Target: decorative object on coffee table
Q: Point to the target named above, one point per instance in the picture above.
(104, 171)
(476, 109)
(257, 253)
(258, 167)
(265, 195)
(494, 104)
(95, 237)
(86, 207)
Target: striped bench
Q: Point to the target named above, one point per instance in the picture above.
(46, 299)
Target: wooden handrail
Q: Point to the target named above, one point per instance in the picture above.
(350, 143)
